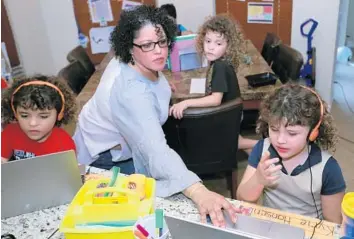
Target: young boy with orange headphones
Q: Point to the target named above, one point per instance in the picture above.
(32, 110)
(291, 169)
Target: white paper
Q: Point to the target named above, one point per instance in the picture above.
(100, 11)
(99, 39)
(197, 86)
(127, 5)
(260, 12)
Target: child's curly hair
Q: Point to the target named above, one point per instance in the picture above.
(131, 21)
(38, 97)
(298, 106)
(232, 32)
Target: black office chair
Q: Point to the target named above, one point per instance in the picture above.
(75, 76)
(270, 47)
(287, 63)
(79, 54)
(207, 139)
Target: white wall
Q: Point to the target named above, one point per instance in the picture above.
(342, 22)
(30, 36)
(61, 29)
(191, 13)
(324, 39)
(44, 31)
(350, 23)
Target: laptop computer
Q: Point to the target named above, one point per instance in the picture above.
(246, 228)
(37, 183)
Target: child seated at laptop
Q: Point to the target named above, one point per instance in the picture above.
(220, 40)
(291, 169)
(32, 111)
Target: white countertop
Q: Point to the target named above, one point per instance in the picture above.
(41, 224)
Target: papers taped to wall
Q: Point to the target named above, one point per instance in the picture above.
(260, 12)
(99, 39)
(129, 5)
(100, 11)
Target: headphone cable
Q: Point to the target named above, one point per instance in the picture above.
(313, 197)
(51, 235)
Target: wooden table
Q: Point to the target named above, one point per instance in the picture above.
(250, 96)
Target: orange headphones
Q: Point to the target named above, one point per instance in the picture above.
(315, 131)
(38, 82)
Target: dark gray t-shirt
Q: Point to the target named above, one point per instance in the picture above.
(224, 79)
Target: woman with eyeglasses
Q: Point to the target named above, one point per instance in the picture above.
(121, 125)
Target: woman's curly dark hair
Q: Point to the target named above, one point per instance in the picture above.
(299, 106)
(38, 97)
(131, 21)
(232, 32)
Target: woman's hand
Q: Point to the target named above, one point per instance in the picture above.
(211, 203)
(267, 173)
(177, 109)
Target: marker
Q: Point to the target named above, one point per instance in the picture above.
(159, 221)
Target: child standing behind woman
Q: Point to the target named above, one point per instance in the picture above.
(291, 169)
(220, 41)
(32, 110)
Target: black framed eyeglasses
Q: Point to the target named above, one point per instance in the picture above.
(151, 45)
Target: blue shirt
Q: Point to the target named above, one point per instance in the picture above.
(129, 109)
(332, 177)
(142, 108)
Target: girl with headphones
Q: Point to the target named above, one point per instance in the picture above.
(291, 169)
(32, 111)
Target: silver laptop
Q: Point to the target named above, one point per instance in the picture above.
(37, 183)
(246, 227)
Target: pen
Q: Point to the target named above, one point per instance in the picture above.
(143, 231)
